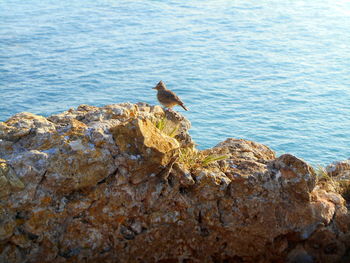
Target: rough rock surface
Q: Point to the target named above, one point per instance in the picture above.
(108, 185)
(339, 172)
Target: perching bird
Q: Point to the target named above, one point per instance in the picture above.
(166, 97)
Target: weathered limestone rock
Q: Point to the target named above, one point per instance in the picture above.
(341, 168)
(339, 173)
(146, 151)
(9, 182)
(108, 185)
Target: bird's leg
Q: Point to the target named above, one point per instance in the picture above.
(170, 109)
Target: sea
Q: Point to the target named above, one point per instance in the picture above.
(271, 71)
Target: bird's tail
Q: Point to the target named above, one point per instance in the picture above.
(183, 106)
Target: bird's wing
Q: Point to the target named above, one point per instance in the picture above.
(173, 96)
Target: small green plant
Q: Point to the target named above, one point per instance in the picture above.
(189, 156)
(166, 127)
(213, 158)
(174, 131)
(324, 177)
(193, 158)
(321, 172)
(160, 124)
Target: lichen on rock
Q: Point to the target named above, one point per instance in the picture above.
(106, 184)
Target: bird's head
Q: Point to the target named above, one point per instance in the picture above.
(160, 86)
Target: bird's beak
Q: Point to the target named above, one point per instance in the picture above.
(154, 88)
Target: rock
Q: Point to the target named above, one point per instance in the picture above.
(341, 168)
(340, 175)
(146, 150)
(9, 182)
(295, 175)
(112, 184)
(246, 158)
(324, 246)
(299, 255)
(23, 124)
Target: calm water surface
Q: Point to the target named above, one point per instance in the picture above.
(276, 72)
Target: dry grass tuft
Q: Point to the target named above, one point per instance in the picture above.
(191, 158)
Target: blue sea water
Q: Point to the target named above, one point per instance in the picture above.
(276, 72)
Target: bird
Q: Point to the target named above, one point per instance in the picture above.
(168, 98)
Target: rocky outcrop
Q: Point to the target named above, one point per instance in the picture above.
(124, 183)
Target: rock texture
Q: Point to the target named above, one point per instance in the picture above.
(339, 175)
(111, 184)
